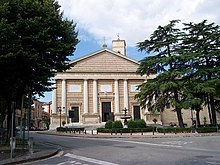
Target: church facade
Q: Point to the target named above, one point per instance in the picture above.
(101, 86)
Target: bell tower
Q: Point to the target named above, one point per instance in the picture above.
(119, 46)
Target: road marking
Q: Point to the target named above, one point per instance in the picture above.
(91, 160)
(71, 163)
(177, 142)
(145, 143)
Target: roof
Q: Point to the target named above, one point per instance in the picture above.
(104, 60)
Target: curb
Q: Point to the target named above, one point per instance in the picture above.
(102, 135)
(29, 158)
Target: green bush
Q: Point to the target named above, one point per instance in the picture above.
(206, 129)
(132, 124)
(66, 129)
(174, 130)
(141, 123)
(117, 124)
(109, 124)
(125, 130)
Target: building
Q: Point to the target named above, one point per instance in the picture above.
(100, 86)
(97, 88)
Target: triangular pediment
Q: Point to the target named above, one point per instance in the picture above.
(104, 61)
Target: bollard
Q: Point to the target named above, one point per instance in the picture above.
(153, 130)
(31, 145)
(12, 145)
(142, 132)
(121, 132)
(130, 132)
(164, 131)
(92, 131)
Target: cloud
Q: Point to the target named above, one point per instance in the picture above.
(134, 20)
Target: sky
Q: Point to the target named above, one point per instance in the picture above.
(101, 21)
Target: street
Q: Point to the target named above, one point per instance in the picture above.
(129, 151)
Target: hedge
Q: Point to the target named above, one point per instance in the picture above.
(66, 129)
(206, 129)
(126, 130)
(174, 130)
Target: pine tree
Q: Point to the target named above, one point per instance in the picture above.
(201, 47)
(166, 87)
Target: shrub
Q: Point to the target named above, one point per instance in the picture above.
(117, 124)
(132, 124)
(126, 130)
(141, 123)
(174, 130)
(108, 124)
(206, 129)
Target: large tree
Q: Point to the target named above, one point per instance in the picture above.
(186, 67)
(201, 48)
(35, 42)
(165, 87)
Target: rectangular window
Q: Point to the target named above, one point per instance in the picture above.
(134, 88)
(74, 88)
(106, 88)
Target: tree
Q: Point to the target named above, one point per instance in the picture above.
(186, 65)
(201, 48)
(35, 42)
(166, 87)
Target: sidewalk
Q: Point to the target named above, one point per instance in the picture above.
(42, 151)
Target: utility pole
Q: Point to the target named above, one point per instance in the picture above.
(29, 111)
(12, 140)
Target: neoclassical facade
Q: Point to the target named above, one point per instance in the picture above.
(97, 88)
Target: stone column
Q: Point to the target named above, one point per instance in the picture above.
(95, 97)
(63, 96)
(85, 97)
(116, 97)
(125, 94)
(54, 98)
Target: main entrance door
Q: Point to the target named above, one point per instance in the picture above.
(74, 114)
(137, 114)
(106, 111)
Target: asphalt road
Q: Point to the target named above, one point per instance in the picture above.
(132, 151)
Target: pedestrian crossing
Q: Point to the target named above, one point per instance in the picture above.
(81, 160)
